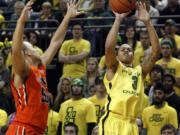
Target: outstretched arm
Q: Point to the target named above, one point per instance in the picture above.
(21, 68)
(110, 45)
(152, 56)
(60, 33)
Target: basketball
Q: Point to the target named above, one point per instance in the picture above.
(122, 6)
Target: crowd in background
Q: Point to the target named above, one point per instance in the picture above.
(82, 56)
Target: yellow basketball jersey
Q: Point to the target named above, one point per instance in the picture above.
(99, 104)
(125, 91)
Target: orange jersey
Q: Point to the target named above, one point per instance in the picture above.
(31, 99)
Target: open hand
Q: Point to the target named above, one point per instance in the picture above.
(72, 9)
(143, 15)
(26, 11)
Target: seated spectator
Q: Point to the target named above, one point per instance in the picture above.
(172, 98)
(170, 64)
(91, 72)
(153, 12)
(74, 53)
(154, 117)
(168, 129)
(71, 129)
(98, 35)
(63, 92)
(172, 8)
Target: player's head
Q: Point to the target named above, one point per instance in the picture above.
(159, 94)
(100, 87)
(125, 54)
(77, 30)
(168, 129)
(77, 87)
(70, 129)
(168, 82)
(30, 51)
(156, 73)
(166, 48)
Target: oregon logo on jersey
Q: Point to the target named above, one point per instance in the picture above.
(73, 51)
(156, 118)
(70, 115)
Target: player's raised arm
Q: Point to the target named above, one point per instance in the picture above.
(18, 62)
(152, 56)
(60, 33)
(111, 42)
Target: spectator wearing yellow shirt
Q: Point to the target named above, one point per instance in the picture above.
(170, 64)
(73, 54)
(159, 114)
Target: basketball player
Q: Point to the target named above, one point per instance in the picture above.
(28, 84)
(124, 83)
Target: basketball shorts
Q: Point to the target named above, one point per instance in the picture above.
(21, 129)
(114, 124)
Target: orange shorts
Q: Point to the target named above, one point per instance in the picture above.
(21, 129)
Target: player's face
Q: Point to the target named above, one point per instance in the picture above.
(130, 32)
(77, 31)
(65, 86)
(155, 75)
(91, 66)
(166, 50)
(69, 131)
(168, 132)
(77, 90)
(158, 97)
(125, 54)
(168, 84)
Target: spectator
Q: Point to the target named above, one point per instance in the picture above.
(159, 114)
(172, 98)
(34, 40)
(18, 7)
(153, 12)
(78, 110)
(172, 8)
(70, 129)
(92, 90)
(156, 75)
(168, 129)
(63, 92)
(97, 35)
(91, 73)
(100, 98)
(170, 64)
(170, 29)
(145, 45)
(74, 54)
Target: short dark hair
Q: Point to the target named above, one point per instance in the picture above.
(170, 76)
(77, 23)
(71, 124)
(157, 68)
(159, 86)
(169, 126)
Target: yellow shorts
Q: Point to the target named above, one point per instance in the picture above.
(113, 124)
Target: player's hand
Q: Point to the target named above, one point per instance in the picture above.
(143, 15)
(120, 16)
(72, 6)
(26, 11)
